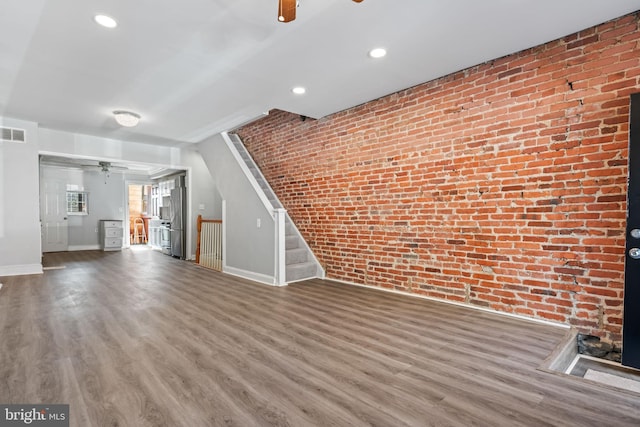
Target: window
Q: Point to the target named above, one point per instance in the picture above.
(77, 203)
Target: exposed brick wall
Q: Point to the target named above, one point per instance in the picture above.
(502, 186)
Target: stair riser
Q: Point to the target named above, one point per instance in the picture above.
(296, 256)
(301, 271)
(291, 242)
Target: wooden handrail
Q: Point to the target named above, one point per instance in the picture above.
(199, 227)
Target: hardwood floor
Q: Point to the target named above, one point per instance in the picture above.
(136, 338)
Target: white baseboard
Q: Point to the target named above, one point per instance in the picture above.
(256, 277)
(460, 304)
(20, 270)
(74, 248)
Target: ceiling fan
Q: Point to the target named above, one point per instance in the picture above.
(287, 9)
(105, 167)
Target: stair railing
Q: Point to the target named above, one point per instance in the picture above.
(245, 169)
(209, 243)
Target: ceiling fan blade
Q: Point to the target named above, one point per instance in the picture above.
(286, 10)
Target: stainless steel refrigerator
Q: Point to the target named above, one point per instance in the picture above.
(178, 214)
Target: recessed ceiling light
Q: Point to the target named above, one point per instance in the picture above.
(105, 21)
(126, 118)
(378, 52)
(299, 90)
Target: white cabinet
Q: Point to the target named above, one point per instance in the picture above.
(155, 233)
(156, 200)
(111, 233)
(166, 187)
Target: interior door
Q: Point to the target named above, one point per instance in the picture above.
(55, 237)
(631, 323)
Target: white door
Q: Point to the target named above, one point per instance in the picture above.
(55, 236)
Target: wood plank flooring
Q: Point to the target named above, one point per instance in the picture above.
(136, 338)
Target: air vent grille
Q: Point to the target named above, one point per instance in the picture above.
(10, 134)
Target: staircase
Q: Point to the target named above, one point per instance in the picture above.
(297, 256)
(300, 262)
(253, 168)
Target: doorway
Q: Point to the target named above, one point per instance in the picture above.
(53, 214)
(139, 201)
(631, 322)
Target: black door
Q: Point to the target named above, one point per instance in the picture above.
(631, 323)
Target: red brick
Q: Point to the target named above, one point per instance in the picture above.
(497, 186)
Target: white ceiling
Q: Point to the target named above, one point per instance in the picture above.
(193, 68)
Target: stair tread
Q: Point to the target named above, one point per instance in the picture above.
(299, 249)
(300, 265)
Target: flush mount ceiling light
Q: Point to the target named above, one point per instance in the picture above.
(126, 118)
(105, 21)
(378, 52)
(299, 90)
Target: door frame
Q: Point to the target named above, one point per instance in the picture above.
(64, 246)
(631, 317)
(127, 218)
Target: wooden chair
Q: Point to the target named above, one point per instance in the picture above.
(139, 233)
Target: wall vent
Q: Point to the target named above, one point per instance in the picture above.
(10, 134)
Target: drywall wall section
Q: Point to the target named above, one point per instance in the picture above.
(106, 201)
(204, 197)
(201, 192)
(501, 186)
(250, 249)
(20, 239)
(60, 143)
(20, 222)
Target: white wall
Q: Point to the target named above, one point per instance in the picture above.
(202, 194)
(106, 201)
(19, 203)
(250, 251)
(20, 241)
(201, 191)
(91, 147)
